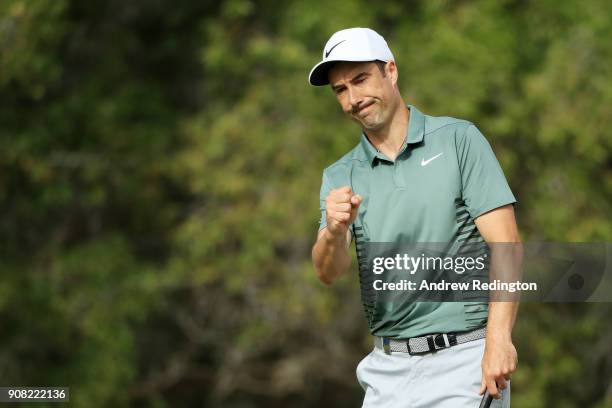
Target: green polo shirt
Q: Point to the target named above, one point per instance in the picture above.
(444, 177)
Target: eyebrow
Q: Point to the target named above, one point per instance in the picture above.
(356, 77)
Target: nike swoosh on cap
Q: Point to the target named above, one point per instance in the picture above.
(332, 48)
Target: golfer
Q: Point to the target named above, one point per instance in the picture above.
(414, 178)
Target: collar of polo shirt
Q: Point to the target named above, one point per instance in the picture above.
(416, 130)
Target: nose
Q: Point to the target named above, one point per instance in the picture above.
(354, 98)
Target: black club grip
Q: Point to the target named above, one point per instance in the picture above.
(486, 400)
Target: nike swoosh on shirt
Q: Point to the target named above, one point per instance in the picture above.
(426, 162)
(332, 48)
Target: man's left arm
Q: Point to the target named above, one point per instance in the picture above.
(500, 357)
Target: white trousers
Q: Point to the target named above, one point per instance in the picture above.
(448, 378)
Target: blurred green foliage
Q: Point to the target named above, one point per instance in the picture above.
(160, 165)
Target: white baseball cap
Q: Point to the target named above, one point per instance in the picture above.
(352, 44)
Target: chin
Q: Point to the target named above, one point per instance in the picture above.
(371, 125)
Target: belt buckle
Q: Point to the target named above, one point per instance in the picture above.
(441, 341)
(444, 340)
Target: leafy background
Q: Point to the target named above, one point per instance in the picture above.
(160, 164)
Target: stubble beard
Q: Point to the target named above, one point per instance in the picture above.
(374, 120)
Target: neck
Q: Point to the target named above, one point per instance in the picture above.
(390, 138)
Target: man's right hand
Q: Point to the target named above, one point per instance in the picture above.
(330, 252)
(342, 206)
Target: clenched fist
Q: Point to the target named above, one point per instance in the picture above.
(342, 207)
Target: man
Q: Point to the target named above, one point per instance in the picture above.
(414, 178)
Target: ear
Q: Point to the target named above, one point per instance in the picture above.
(391, 70)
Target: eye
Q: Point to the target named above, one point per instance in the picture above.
(339, 90)
(360, 79)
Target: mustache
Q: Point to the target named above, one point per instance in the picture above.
(357, 108)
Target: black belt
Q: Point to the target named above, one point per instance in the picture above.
(429, 343)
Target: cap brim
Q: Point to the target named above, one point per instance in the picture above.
(318, 75)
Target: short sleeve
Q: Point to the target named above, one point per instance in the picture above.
(326, 187)
(483, 184)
